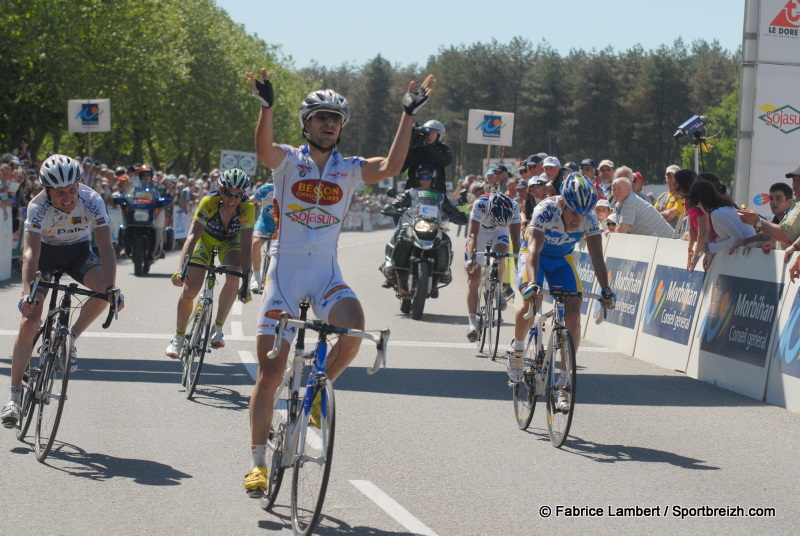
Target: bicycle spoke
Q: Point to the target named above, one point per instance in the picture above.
(561, 387)
(276, 443)
(312, 468)
(52, 392)
(198, 346)
(524, 392)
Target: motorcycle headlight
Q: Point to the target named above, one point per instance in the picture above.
(425, 226)
(141, 215)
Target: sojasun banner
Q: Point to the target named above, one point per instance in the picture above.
(487, 127)
(89, 115)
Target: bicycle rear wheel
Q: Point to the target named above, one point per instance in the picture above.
(561, 378)
(52, 392)
(198, 347)
(524, 392)
(265, 264)
(313, 464)
(276, 443)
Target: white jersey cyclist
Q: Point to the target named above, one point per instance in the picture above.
(557, 241)
(309, 209)
(59, 228)
(489, 230)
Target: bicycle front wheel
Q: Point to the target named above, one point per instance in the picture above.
(561, 387)
(313, 464)
(198, 346)
(52, 393)
(497, 318)
(276, 443)
(486, 313)
(524, 392)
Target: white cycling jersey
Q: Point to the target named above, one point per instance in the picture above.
(558, 242)
(480, 214)
(309, 209)
(59, 228)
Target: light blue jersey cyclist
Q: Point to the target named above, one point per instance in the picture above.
(265, 229)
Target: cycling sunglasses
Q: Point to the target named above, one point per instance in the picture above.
(234, 195)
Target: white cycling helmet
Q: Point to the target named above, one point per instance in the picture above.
(433, 124)
(327, 100)
(234, 178)
(59, 170)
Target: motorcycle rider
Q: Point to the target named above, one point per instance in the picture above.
(427, 178)
(146, 180)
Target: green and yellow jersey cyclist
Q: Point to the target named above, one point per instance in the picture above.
(223, 219)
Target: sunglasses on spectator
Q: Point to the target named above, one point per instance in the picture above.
(587, 168)
(234, 195)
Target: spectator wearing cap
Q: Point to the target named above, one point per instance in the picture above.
(552, 168)
(611, 221)
(89, 171)
(495, 179)
(787, 232)
(603, 211)
(535, 164)
(605, 178)
(588, 169)
(669, 204)
(537, 191)
(571, 166)
(635, 215)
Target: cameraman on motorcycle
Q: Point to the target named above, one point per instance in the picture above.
(427, 149)
(426, 178)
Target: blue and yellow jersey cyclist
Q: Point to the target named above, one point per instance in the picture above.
(224, 219)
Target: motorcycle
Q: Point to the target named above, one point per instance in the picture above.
(418, 257)
(143, 241)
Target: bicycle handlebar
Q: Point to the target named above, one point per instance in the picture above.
(112, 295)
(561, 293)
(221, 269)
(381, 341)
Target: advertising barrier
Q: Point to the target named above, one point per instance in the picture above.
(628, 259)
(669, 313)
(783, 380)
(737, 321)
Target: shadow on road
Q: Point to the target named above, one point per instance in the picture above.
(627, 453)
(75, 461)
(600, 389)
(219, 397)
(328, 525)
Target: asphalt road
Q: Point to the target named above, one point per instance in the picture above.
(428, 445)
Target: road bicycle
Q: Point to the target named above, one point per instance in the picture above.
(549, 368)
(489, 315)
(197, 338)
(298, 439)
(44, 383)
(265, 259)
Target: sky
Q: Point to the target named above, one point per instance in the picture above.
(409, 32)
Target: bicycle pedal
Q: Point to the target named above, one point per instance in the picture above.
(255, 493)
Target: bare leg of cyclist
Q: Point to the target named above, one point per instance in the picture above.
(258, 242)
(227, 296)
(270, 373)
(191, 288)
(522, 325)
(97, 280)
(347, 313)
(23, 344)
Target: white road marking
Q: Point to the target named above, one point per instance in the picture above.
(236, 331)
(391, 507)
(236, 310)
(250, 363)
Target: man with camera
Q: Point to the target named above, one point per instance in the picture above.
(427, 149)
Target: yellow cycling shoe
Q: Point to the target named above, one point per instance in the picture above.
(256, 482)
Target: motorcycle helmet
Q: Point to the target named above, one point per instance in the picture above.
(235, 179)
(579, 193)
(433, 124)
(144, 168)
(59, 170)
(324, 99)
(501, 209)
(424, 170)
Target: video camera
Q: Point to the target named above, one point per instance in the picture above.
(690, 126)
(419, 134)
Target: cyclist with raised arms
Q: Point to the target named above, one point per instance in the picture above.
(557, 224)
(495, 219)
(224, 219)
(58, 230)
(314, 185)
(265, 228)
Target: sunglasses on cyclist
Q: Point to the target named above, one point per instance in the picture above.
(328, 116)
(234, 195)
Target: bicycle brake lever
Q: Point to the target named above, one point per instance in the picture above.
(279, 329)
(380, 358)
